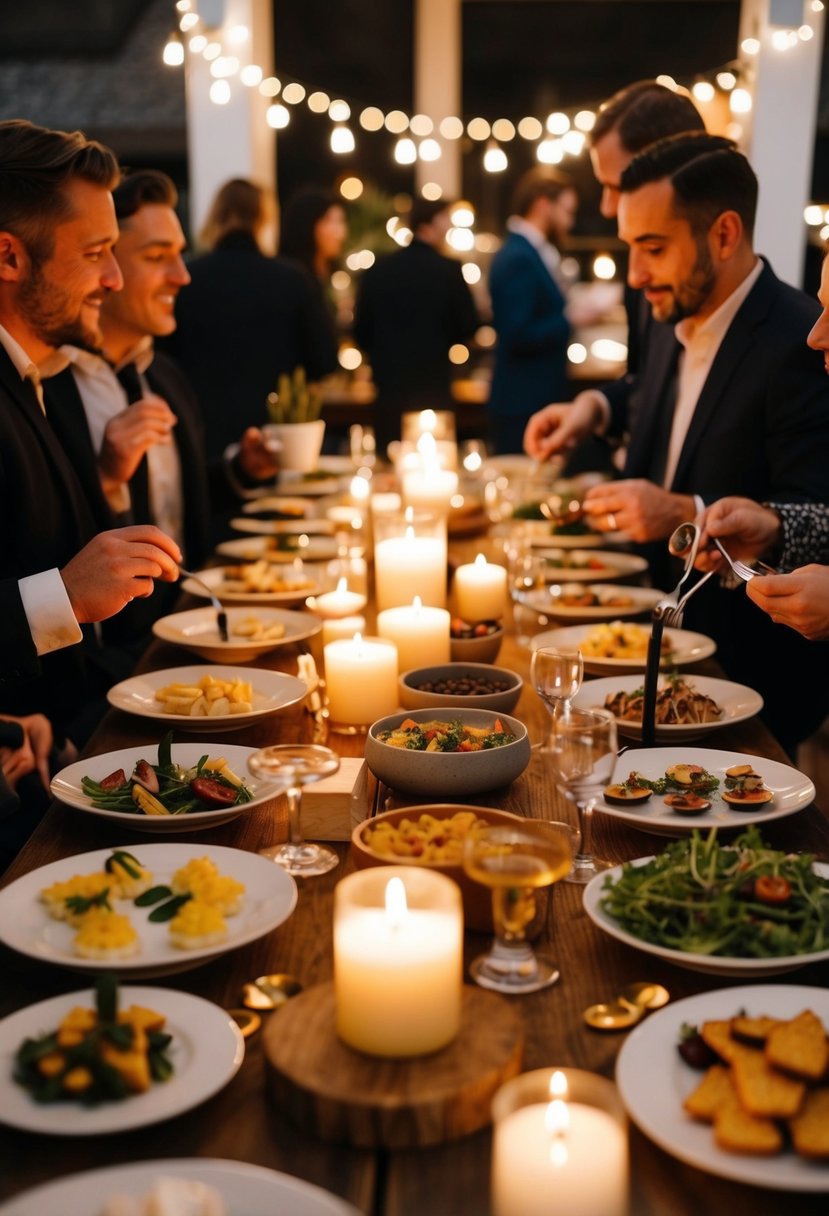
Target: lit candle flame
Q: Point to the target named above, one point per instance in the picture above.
(558, 1084)
(557, 1119)
(396, 907)
(417, 603)
(342, 586)
(360, 488)
(428, 420)
(480, 560)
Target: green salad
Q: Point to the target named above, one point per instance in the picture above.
(737, 900)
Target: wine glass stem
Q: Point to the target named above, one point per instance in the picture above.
(294, 796)
(585, 813)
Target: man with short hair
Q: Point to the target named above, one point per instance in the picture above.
(57, 230)
(412, 306)
(731, 401)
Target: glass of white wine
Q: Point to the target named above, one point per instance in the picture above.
(582, 751)
(556, 673)
(515, 862)
(290, 766)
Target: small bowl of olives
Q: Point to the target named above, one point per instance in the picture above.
(476, 641)
(476, 685)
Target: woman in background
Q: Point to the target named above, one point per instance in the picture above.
(313, 232)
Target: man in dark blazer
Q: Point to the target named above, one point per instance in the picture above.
(412, 306)
(57, 229)
(729, 400)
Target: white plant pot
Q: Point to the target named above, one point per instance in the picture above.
(297, 444)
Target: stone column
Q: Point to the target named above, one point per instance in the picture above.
(437, 85)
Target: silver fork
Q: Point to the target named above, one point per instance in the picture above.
(221, 615)
(746, 573)
(672, 616)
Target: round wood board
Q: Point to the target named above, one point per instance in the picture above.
(333, 1092)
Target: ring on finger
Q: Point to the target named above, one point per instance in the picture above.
(611, 521)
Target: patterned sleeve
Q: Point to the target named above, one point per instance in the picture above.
(805, 536)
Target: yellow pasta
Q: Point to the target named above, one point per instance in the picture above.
(425, 839)
(211, 698)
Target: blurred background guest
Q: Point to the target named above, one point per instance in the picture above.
(412, 306)
(245, 318)
(312, 233)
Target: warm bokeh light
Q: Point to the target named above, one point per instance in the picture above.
(557, 123)
(421, 124)
(740, 101)
(189, 21)
(608, 350)
(604, 266)
(451, 128)
(372, 119)
(585, 120)
(462, 214)
(342, 140)
(703, 91)
(573, 142)
(667, 81)
(339, 111)
(212, 51)
(270, 86)
(405, 152)
(403, 235)
(726, 81)
(461, 239)
(458, 354)
(224, 66)
(432, 191)
(576, 353)
(351, 188)
(220, 92)
(550, 151)
(197, 43)
(341, 280)
(813, 215)
(293, 93)
(485, 336)
(429, 149)
(397, 122)
(503, 130)
(173, 53)
(478, 128)
(750, 46)
(495, 159)
(349, 358)
(237, 34)
(471, 272)
(251, 75)
(318, 102)
(277, 117)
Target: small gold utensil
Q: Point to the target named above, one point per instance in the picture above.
(626, 1009)
(270, 991)
(247, 1021)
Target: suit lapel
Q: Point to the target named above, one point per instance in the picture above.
(67, 416)
(734, 349)
(663, 352)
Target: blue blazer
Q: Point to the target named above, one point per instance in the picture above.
(533, 332)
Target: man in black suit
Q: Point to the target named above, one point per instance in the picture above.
(730, 400)
(57, 229)
(412, 306)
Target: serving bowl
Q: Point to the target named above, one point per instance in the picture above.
(477, 650)
(477, 899)
(442, 775)
(413, 696)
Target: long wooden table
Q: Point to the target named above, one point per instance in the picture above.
(240, 1123)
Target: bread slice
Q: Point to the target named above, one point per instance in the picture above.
(738, 1132)
(714, 1090)
(763, 1091)
(799, 1047)
(717, 1035)
(810, 1128)
(753, 1030)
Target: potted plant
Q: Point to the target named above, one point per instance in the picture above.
(296, 429)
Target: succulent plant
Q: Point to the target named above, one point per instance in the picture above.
(295, 400)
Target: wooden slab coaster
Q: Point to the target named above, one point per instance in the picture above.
(335, 1093)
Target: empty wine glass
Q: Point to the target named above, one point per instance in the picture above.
(516, 862)
(291, 766)
(556, 673)
(362, 446)
(582, 750)
(525, 572)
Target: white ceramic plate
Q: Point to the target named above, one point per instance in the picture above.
(207, 1051)
(309, 547)
(686, 647)
(214, 578)
(793, 791)
(547, 601)
(247, 1190)
(737, 702)
(197, 630)
(541, 535)
(66, 786)
(312, 487)
(654, 1081)
(25, 925)
(272, 691)
(283, 527)
(291, 508)
(588, 565)
(708, 964)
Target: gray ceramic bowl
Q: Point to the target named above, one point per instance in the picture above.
(413, 697)
(442, 776)
(476, 650)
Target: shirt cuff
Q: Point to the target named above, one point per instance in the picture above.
(119, 499)
(49, 612)
(604, 405)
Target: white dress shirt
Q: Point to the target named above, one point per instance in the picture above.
(548, 253)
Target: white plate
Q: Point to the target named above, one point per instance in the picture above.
(546, 601)
(25, 925)
(737, 701)
(66, 786)
(314, 549)
(272, 691)
(283, 527)
(708, 964)
(292, 508)
(686, 647)
(604, 564)
(295, 483)
(247, 1190)
(793, 791)
(214, 578)
(197, 630)
(654, 1081)
(207, 1051)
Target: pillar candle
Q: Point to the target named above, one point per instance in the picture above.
(398, 961)
(361, 680)
(430, 489)
(338, 603)
(409, 565)
(345, 627)
(421, 634)
(481, 590)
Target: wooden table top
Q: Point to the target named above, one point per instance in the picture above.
(240, 1123)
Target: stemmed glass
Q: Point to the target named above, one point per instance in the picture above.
(582, 751)
(291, 766)
(516, 862)
(556, 673)
(525, 572)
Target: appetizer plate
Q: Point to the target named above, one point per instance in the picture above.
(214, 578)
(547, 601)
(283, 527)
(302, 486)
(541, 535)
(278, 505)
(590, 565)
(198, 631)
(25, 925)
(654, 1082)
(793, 791)
(248, 1189)
(66, 786)
(311, 548)
(686, 647)
(207, 1052)
(272, 691)
(707, 964)
(737, 702)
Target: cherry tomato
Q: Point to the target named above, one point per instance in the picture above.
(114, 780)
(215, 793)
(772, 889)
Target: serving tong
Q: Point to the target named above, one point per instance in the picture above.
(221, 615)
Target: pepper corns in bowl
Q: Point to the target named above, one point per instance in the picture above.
(478, 685)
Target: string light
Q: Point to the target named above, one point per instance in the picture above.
(405, 152)
(339, 111)
(421, 124)
(220, 92)
(173, 53)
(342, 140)
(429, 149)
(432, 191)
(351, 188)
(495, 159)
(278, 117)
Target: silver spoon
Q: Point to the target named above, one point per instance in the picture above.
(221, 615)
